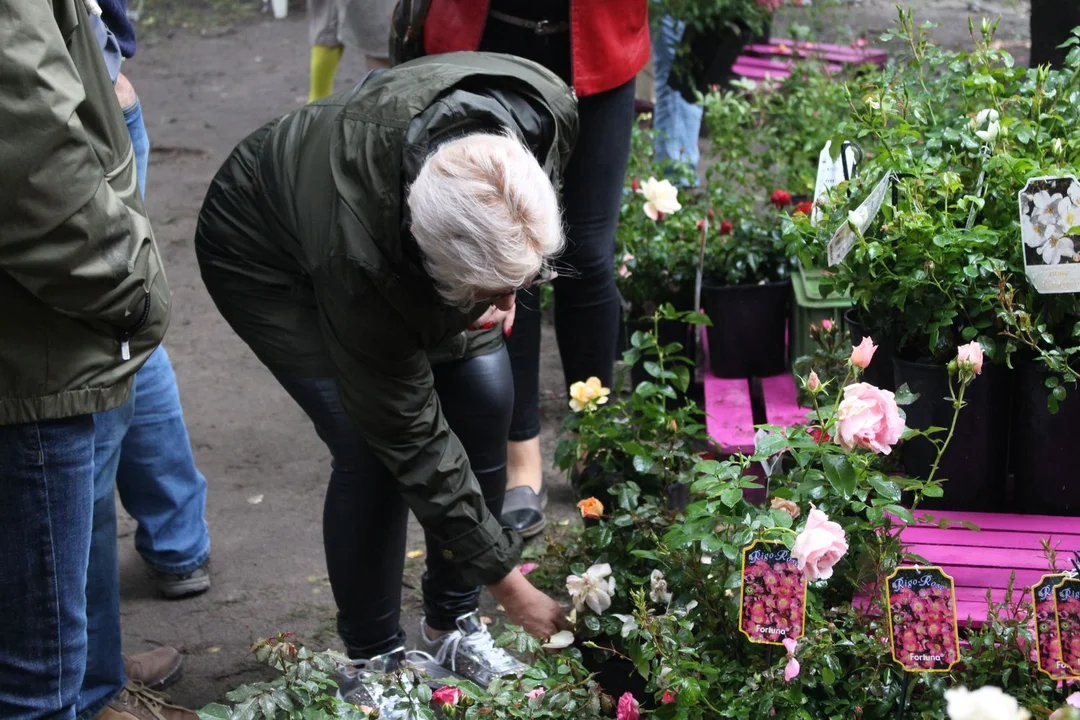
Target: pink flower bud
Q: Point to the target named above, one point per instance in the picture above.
(813, 383)
(863, 353)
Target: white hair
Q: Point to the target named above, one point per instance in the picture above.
(485, 216)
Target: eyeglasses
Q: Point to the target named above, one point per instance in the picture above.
(545, 275)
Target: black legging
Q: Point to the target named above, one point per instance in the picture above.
(586, 298)
(365, 517)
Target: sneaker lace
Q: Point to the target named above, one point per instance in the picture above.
(481, 642)
(138, 695)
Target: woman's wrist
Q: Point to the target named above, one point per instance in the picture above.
(509, 585)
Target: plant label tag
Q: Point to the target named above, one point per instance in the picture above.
(922, 619)
(1050, 233)
(858, 221)
(1067, 617)
(772, 594)
(1047, 640)
(830, 173)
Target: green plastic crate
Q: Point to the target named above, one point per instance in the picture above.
(809, 307)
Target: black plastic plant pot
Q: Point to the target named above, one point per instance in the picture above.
(748, 336)
(709, 57)
(1044, 452)
(617, 676)
(880, 372)
(976, 462)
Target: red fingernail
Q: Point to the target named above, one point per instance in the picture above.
(508, 331)
(487, 326)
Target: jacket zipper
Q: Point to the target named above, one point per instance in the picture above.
(126, 335)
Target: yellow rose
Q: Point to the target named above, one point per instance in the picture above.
(588, 395)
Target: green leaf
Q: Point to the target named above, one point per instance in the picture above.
(644, 465)
(841, 474)
(904, 396)
(885, 487)
(934, 491)
(215, 711)
(901, 512)
(652, 368)
(731, 496)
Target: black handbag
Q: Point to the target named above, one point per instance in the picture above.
(407, 30)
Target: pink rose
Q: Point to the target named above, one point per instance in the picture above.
(791, 670)
(826, 324)
(868, 418)
(669, 697)
(1073, 700)
(819, 546)
(628, 708)
(971, 356)
(535, 693)
(527, 568)
(863, 353)
(446, 696)
(813, 383)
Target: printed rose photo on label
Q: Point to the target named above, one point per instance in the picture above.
(1067, 608)
(922, 619)
(1046, 629)
(773, 594)
(1050, 233)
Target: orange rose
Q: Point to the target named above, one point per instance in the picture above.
(591, 508)
(786, 505)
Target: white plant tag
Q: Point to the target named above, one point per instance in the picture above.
(830, 174)
(844, 238)
(1050, 233)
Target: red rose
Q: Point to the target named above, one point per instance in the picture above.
(725, 228)
(805, 207)
(447, 696)
(634, 185)
(711, 214)
(669, 697)
(780, 198)
(819, 435)
(701, 224)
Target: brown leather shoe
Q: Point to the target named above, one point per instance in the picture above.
(136, 702)
(157, 669)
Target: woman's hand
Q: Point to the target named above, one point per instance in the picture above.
(495, 315)
(526, 606)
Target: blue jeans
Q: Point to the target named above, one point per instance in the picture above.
(46, 508)
(140, 142)
(104, 677)
(677, 122)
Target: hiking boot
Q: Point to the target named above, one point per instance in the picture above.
(363, 683)
(174, 586)
(137, 702)
(470, 651)
(157, 669)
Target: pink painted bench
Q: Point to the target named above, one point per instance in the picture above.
(984, 560)
(730, 407)
(759, 62)
(845, 54)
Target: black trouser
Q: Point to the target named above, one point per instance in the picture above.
(586, 299)
(365, 517)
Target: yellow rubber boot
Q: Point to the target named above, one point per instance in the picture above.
(324, 65)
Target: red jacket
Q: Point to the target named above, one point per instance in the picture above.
(609, 38)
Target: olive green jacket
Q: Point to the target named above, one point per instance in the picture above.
(84, 296)
(310, 208)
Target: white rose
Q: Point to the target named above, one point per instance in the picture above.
(660, 197)
(986, 703)
(658, 592)
(993, 127)
(594, 588)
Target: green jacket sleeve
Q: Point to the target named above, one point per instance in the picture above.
(388, 389)
(74, 231)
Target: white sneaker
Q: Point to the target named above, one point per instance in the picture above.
(470, 652)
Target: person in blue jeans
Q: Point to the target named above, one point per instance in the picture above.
(88, 303)
(677, 122)
(142, 450)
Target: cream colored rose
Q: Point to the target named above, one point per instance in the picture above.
(660, 197)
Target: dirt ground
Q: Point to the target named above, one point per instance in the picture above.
(202, 90)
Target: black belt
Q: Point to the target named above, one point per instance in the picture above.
(540, 27)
